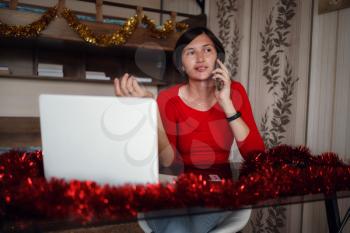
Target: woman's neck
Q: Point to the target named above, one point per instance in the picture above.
(200, 90)
(198, 96)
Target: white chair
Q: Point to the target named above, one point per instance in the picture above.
(234, 222)
(143, 225)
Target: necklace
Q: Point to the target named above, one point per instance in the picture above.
(191, 103)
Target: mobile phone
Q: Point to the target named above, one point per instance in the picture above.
(219, 84)
(214, 178)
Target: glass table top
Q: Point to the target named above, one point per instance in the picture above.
(213, 175)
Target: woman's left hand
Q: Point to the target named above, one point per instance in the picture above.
(224, 95)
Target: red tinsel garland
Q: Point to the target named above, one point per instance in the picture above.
(279, 172)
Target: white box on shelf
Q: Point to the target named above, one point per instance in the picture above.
(50, 70)
(50, 67)
(50, 74)
(4, 70)
(95, 75)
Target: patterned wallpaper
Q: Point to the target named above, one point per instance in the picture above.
(273, 77)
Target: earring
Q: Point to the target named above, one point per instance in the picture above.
(183, 71)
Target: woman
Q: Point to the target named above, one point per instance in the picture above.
(199, 119)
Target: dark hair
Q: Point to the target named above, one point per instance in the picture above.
(187, 37)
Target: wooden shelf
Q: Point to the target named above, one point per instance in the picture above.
(142, 55)
(59, 44)
(22, 56)
(18, 132)
(70, 79)
(59, 29)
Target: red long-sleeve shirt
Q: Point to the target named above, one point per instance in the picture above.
(205, 137)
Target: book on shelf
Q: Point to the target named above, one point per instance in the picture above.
(4, 70)
(50, 70)
(51, 74)
(95, 75)
(50, 67)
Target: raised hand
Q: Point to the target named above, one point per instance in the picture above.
(224, 94)
(128, 86)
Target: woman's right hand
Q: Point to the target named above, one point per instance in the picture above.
(128, 86)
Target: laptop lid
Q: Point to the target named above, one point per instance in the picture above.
(110, 140)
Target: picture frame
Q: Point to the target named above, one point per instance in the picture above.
(325, 6)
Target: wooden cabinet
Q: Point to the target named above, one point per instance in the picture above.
(23, 56)
(142, 55)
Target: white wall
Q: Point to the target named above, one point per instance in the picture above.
(19, 97)
(329, 101)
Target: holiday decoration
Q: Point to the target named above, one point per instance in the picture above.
(282, 171)
(118, 37)
(31, 30)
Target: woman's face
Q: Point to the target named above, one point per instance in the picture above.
(199, 58)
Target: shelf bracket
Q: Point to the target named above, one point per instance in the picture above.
(201, 4)
(13, 4)
(99, 11)
(61, 5)
(173, 19)
(139, 12)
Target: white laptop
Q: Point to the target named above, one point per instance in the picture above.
(109, 140)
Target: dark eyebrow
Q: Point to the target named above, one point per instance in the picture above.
(206, 45)
(189, 49)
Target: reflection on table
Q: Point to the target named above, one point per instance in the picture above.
(214, 176)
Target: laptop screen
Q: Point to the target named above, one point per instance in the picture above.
(110, 140)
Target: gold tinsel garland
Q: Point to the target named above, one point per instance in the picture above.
(116, 38)
(31, 30)
(165, 30)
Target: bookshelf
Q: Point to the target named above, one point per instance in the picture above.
(23, 57)
(142, 55)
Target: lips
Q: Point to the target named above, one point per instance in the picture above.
(201, 68)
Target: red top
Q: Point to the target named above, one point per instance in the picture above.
(205, 137)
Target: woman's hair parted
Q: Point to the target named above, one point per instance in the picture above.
(190, 35)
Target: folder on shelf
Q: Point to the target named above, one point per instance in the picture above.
(4, 70)
(95, 75)
(50, 70)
